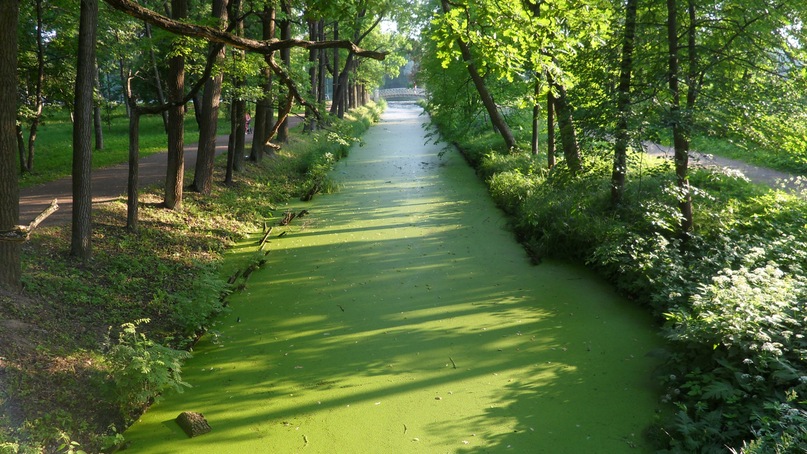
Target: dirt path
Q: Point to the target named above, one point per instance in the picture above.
(402, 316)
(761, 175)
(108, 183)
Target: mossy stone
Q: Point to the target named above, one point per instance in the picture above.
(194, 424)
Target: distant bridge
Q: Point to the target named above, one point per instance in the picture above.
(401, 94)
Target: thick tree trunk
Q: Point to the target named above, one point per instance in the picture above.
(620, 168)
(487, 100)
(175, 172)
(81, 242)
(205, 157)
(679, 123)
(10, 271)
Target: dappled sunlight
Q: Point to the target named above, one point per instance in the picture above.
(403, 317)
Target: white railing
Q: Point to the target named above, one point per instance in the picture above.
(400, 93)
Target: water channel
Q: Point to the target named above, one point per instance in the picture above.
(401, 316)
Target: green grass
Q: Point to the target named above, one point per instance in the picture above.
(54, 145)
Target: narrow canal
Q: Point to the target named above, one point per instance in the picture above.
(401, 316)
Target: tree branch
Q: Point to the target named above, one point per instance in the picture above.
(215, 35)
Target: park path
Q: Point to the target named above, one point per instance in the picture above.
(761, 175)
(109, 183)
(401, 316)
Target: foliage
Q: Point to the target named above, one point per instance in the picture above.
(141, 368)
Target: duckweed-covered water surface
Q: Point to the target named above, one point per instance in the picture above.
(401, 316)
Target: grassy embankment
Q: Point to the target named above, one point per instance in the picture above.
(88, 345)
(730, 298)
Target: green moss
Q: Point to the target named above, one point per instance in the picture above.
(401, 316)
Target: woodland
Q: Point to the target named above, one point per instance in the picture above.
(552, 101)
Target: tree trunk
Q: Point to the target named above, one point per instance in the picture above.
(536, 116)
(550, 130)
(568, 135)
(122, 74)
(340, 93)
(40, 82)
(205, 157)
(10, 271)
(623, 107)
(175, 172)
(313, 35)
(264, 111)
(323, 65)
(97, 123)
(21, 147)
(487, 100)
(285, 57)
(81, 242)
(335, 72)
(679, 123)
(196, 101)
(238, 109)
(157, 80)
(132, 190)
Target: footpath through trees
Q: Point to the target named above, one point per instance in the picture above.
(400, 315)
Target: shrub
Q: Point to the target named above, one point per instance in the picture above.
(141, 369)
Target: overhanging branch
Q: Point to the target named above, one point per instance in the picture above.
(215, 35)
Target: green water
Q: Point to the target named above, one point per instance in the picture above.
(401, 316)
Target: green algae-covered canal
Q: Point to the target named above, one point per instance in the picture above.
(401, 316)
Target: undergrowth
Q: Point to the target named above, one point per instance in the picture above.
(730, 298)
(87, 346)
